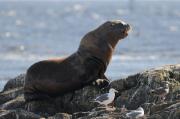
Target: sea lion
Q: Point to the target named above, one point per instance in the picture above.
(56, 77)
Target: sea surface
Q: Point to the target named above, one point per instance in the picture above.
(33, 31)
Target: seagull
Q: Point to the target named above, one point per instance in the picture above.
(106, 98)
(134, 114)
(161, 92)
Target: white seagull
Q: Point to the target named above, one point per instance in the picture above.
(106, 98)
(134, 114)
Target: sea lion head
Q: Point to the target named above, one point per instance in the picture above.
(110, 32)
(102, 41)
(113, 30)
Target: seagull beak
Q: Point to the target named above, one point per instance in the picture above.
(115, 91)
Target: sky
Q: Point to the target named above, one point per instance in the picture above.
(89, 0)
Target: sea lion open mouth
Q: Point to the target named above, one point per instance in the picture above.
(127, 29)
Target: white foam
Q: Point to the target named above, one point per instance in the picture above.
(24, 57)
(173, 28)
(95, 16)
(19, 22)
(32, 57)
(134, 57)
(78, 7)
(11, 13)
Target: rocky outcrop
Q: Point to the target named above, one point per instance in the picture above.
(15, 83)
(18, 114)
(134, 91)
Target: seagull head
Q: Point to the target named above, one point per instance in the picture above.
(113, 90)
(140, 109)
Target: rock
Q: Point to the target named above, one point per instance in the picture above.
(44, 107)
(12, 89)
(101, 113)
(78, 101)
(10, 94)
(134, 91)
(137, 95)
(80, 114)
(15, 83)
(168, 112)
(18, 114)
(18, 102)
(61, 116)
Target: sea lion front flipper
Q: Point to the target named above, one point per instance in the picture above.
(102, 82)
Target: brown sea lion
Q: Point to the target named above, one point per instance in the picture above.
(59, 76)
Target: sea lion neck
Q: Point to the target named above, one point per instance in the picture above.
(87, 54)
(98, 46)
(109, 38)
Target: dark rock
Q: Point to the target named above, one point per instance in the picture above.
(10, 94)
(134, 91)
(80, 114)
(78, 101)
(101, 113)
(61, 116)
(138, 94)
(18, 102)
(45, 108)
(15, 82)
(18, 114)
(169, 112)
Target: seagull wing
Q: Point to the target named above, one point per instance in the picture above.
(134, 114)
(103, 97)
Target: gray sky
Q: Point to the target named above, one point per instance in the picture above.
(88, 0)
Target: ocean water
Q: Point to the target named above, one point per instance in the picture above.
(33, 31)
